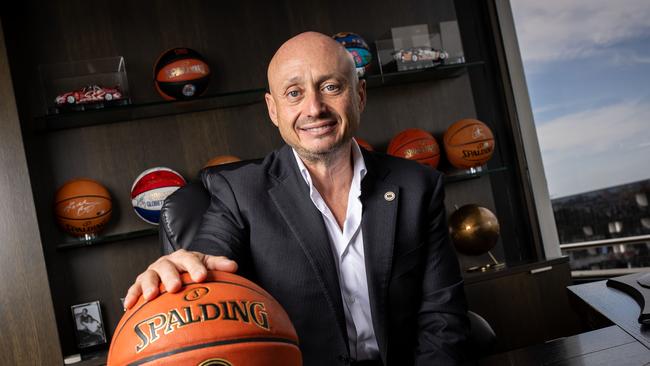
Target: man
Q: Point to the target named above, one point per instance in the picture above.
(353, 244)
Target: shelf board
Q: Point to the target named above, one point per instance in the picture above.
(472, 174)
(78, 243)
(434, 73)
(76, 119)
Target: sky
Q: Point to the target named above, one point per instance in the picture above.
(587, 66)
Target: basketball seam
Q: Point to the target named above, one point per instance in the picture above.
(462, 128)
(118, 331)
(412, 141)
(212, 344)
(469, 143)
(84, 196)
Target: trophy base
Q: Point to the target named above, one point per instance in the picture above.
(486, 267)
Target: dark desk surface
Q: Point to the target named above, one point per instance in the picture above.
(602, 347)
(625, 343)
(615, 305)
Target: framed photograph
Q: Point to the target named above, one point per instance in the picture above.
(89, 326)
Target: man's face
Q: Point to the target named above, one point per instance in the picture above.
(315, 98)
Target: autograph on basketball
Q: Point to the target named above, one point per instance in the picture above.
(81, 207)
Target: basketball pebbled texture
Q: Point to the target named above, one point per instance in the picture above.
(82, 206)
(468, 143)
(225, 320)
(415, 144)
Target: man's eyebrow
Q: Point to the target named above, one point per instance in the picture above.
(291, 80)
(335, 75)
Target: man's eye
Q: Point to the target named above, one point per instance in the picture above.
(331, 87)
(293, 94)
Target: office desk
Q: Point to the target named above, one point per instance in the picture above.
(603, 347)
(626, 343)
(615, 305)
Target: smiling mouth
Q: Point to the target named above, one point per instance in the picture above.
(318, 128)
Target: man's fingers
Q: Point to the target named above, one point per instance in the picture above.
(169, 275)
(132, 295)
(190, 262)
(149, 282)
(220, 264)
(166, 270)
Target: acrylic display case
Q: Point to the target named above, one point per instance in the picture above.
(418, 47)
(83, 85)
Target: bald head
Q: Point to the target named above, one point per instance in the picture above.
(315, 97)
(310, 47)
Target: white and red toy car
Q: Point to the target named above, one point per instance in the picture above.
(89, 94)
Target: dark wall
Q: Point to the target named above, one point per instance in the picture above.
(29, 334)
(237, 39)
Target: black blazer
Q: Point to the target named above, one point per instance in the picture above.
(261, 216)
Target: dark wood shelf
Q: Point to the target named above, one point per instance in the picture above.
(78, 243)
(439, 72)
(91, 117)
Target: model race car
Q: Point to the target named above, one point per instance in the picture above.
(416, 54)
(89, 94)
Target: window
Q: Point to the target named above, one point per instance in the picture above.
(587, 66)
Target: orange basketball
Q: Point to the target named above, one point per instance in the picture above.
(221, 159)
(225, 321)
(364, 144)
(82, 207)
(468, 143)
(415, 144)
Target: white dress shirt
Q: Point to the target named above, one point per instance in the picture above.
(347, 248)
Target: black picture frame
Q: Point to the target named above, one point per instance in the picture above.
(89, 325)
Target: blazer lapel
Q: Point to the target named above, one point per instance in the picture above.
(380, 203)
(291, 197)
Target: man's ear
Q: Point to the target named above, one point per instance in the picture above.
(270, 106)
(362, 94)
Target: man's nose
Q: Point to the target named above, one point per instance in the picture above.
(314, 105)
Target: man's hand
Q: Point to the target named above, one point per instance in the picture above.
(167, 270)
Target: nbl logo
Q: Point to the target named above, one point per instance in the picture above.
(215, 362)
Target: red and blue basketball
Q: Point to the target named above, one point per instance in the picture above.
(150, 190)
(358, 48)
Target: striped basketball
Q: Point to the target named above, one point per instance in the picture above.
(181, 73)
(415, 144)
(82, 207)
(150, 189)
(224, 321)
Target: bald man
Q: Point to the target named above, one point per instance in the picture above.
(353, 244)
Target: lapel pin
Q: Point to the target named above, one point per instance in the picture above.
(389, 196)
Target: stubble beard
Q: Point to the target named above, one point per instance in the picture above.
(325, 157)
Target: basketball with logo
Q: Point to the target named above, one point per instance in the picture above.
(82, 207)
(358, 48)
(468, 143)
(415, 144)
(226, 320)
(150, 189)
(181, 73)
